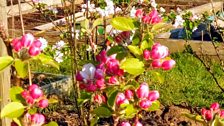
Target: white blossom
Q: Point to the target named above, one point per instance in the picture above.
(195, 28)
(178, 10)
(88, 72)
(162, 10)
(132, 12)
(58, 56)
(91, 7)
(109, 9)
(178, 21)
(44, 43)
(53, 9)
(59, 45)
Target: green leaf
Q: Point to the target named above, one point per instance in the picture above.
(52, 100)
(15, 94)
(47, 60)
(144, 45)
(130, 111)
(158, 76)
(52, 123)
(21, 68)
(119, 50)
(17, 121)
(97, 22)
(197, 118)
(101, 30)
(102, 112)
(135, 50)
(85, 24)
(5, 62)
(94, 121)
(217, 122)
(155, 106)
(13, 110)
(123, 23)
(32, 111)
(133, 66)
(112, 98)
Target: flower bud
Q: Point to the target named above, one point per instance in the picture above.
(125, 124)
(25, 94)
(145, 103)
(33, 86)
(153, 95)
(36, 93)
(91, 88)
(100, 83)
(38, 119)
(129, 94)
(113, 80)
(208, 115)
(154, 17)
(214, 106)
(121, 99)
(203, 111)
(99, 99)
(139, 13)
(222, 113)
(137, 123)
(16, 44)
(43, 103)
(99, 74)
(146, 19)
(125, 35)
(143, 91)
(168, 64)
(30, 100)
(33, 51)
(82, 86)
(27, 40)
(159, 51)
(146, 54)
(112, 66)
(79, 77)
(157, 63)
(37, 43)
(102, 56)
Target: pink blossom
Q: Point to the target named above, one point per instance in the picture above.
(36, 93)
(203, 111)
(214, 106)
(16, 44)
(113, 80)
(29, 100)
(159, 51)
(102, 57)
(153, 95)
(99, 99)
(34, 51)
(25, 94)
(78, 77)
(125, 124)
(112, 67)
(37, 43)
(143, 91)
(222, 113)
(33, 86)
(139, 13)
(129, 94)
(168, 64)
(88, 72)
(91, 88)
(146, 54)
(145, 103)
(38, 119)
(99, 74)
(155, 18)
(157, 63)
(208, 115)
(146, 19)
(100, 83)
(137, 123)
(82, 86)
(27, 40)
(121, 99)
(43, 103)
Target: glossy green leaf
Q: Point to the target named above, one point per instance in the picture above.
(135, 50)
(47, 60)
(133, 66)
(112, 98)
(97, 22)
(13, 110)
(21, 68)
(144, 45)
(155, 106)
(5, 62)
(123, 23)
(32, 111)
(119, 50)
(94, 121)
(52, 123)
(130, 111)
(15, 94)
(102, 112)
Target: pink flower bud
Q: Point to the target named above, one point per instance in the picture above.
(153, 95)
(33, 51)
(30, 100)
(102, 57)
(121, 99)
(143, 91)
(203, 111)
(36, 93)
(159, 51)
(25, 94)
(125, 124)
(129, 94)
(27, 40)
(38, 119)
(99, 99)
(113, 80)
(100, 83)
(137, 123)
(43, 103)
(82, 86)
(112, 66)
(146, 19)
(222, 113)
(79, 77)
(37, 43)
(168, 64)
(146, 54)
(145, 103)
(16, 44)
(91, 88)
(157, 63)
(208, 115)
(139, 13)
(214, 106)
(99, 74)
(33, 86)
(120, 72)
(154, 17)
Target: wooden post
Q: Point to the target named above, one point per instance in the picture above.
(5, 75)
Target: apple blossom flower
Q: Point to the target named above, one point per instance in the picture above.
(58, 56)
(178, 21)
(145, 103)
(153, 95)
(157, 63)
(99, 99)
(113, 80)
(91, 7)
(37, 119)
(222, 113)
(121, 99)
(137, 123)
(129, 94)
(88, 72)
(214, 106)
(146, 54)
(159, 51)
(143, 91)
(34, 51)
(43, 103)
(125, 124)
(168, 64)
(27, 40)
(132, 12)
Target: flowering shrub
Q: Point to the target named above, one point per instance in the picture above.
(209, 117)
